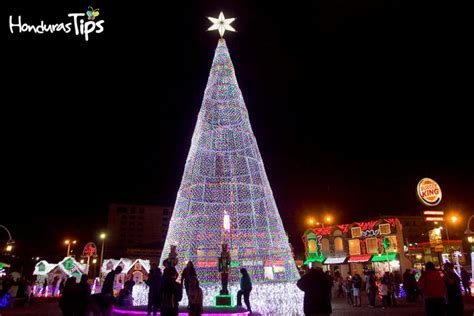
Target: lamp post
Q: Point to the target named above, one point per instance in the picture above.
(312, 222)
(68, 243)
(470, 239)
(10, 242)
(102, 237)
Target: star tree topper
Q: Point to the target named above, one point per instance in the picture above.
(222, 24)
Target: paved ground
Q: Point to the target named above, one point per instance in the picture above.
(49, 307)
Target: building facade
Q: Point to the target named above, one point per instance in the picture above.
(445, 250)
(415, 228)
(351, 248)
(132, 228)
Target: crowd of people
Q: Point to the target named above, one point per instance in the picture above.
(21, 288)
(440, 289)
(164, 293)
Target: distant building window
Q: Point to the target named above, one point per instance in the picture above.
(372, 245)
(384, 229)
(356, 232)
(354, 247)
(141, 217)
(132, 217)
(165, 211)
(141, 210)
(393, 243)
(124, 217)
(325, 245)
(121, 210)
(338, 245)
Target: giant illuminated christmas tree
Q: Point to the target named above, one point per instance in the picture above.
(225, 196)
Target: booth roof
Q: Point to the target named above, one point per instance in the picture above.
(144, 263)
(47, 267)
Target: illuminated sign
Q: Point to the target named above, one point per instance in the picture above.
(435, 237)
(429, 192)
(431, 213)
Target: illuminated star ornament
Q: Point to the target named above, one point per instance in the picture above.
(222, 24)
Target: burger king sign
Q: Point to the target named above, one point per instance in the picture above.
(429, 192)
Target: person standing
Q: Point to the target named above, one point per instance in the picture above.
(67, 302)
(83, 296)
(371, 287)
(154, 288)
(348, 290)
(432, 286)
(455, 306)
(245, 289)
(45, 286)
(409, 284)
(107, 292)
(108, 286)
(356, 286)
(384, 293)
(195, 297)
(317, 292)
(171, 293)
(188, 273)
(466, 282)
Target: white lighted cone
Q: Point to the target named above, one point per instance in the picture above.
(224, 174)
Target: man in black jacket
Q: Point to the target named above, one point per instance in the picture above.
(317, 292)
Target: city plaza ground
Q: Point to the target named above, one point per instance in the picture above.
(49, 307)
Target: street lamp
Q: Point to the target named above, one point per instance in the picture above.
(102, 237)
(10, 241)
(328, 219)
(68, 243)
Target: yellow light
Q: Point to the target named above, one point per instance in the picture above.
(470, 239)
(102, 236)
(311, 221)
(94, 260)
(82, 260)
(454, 219)
(74, 242)
(418, 257)
(67, 241)
(328, 219)
(9, 248)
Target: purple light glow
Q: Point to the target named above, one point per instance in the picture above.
(128, 312)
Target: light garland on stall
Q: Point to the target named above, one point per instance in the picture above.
(224, 176)
(140, 294)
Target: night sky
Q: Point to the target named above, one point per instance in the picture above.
(349, 109)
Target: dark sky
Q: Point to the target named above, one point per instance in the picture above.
(350, 109)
